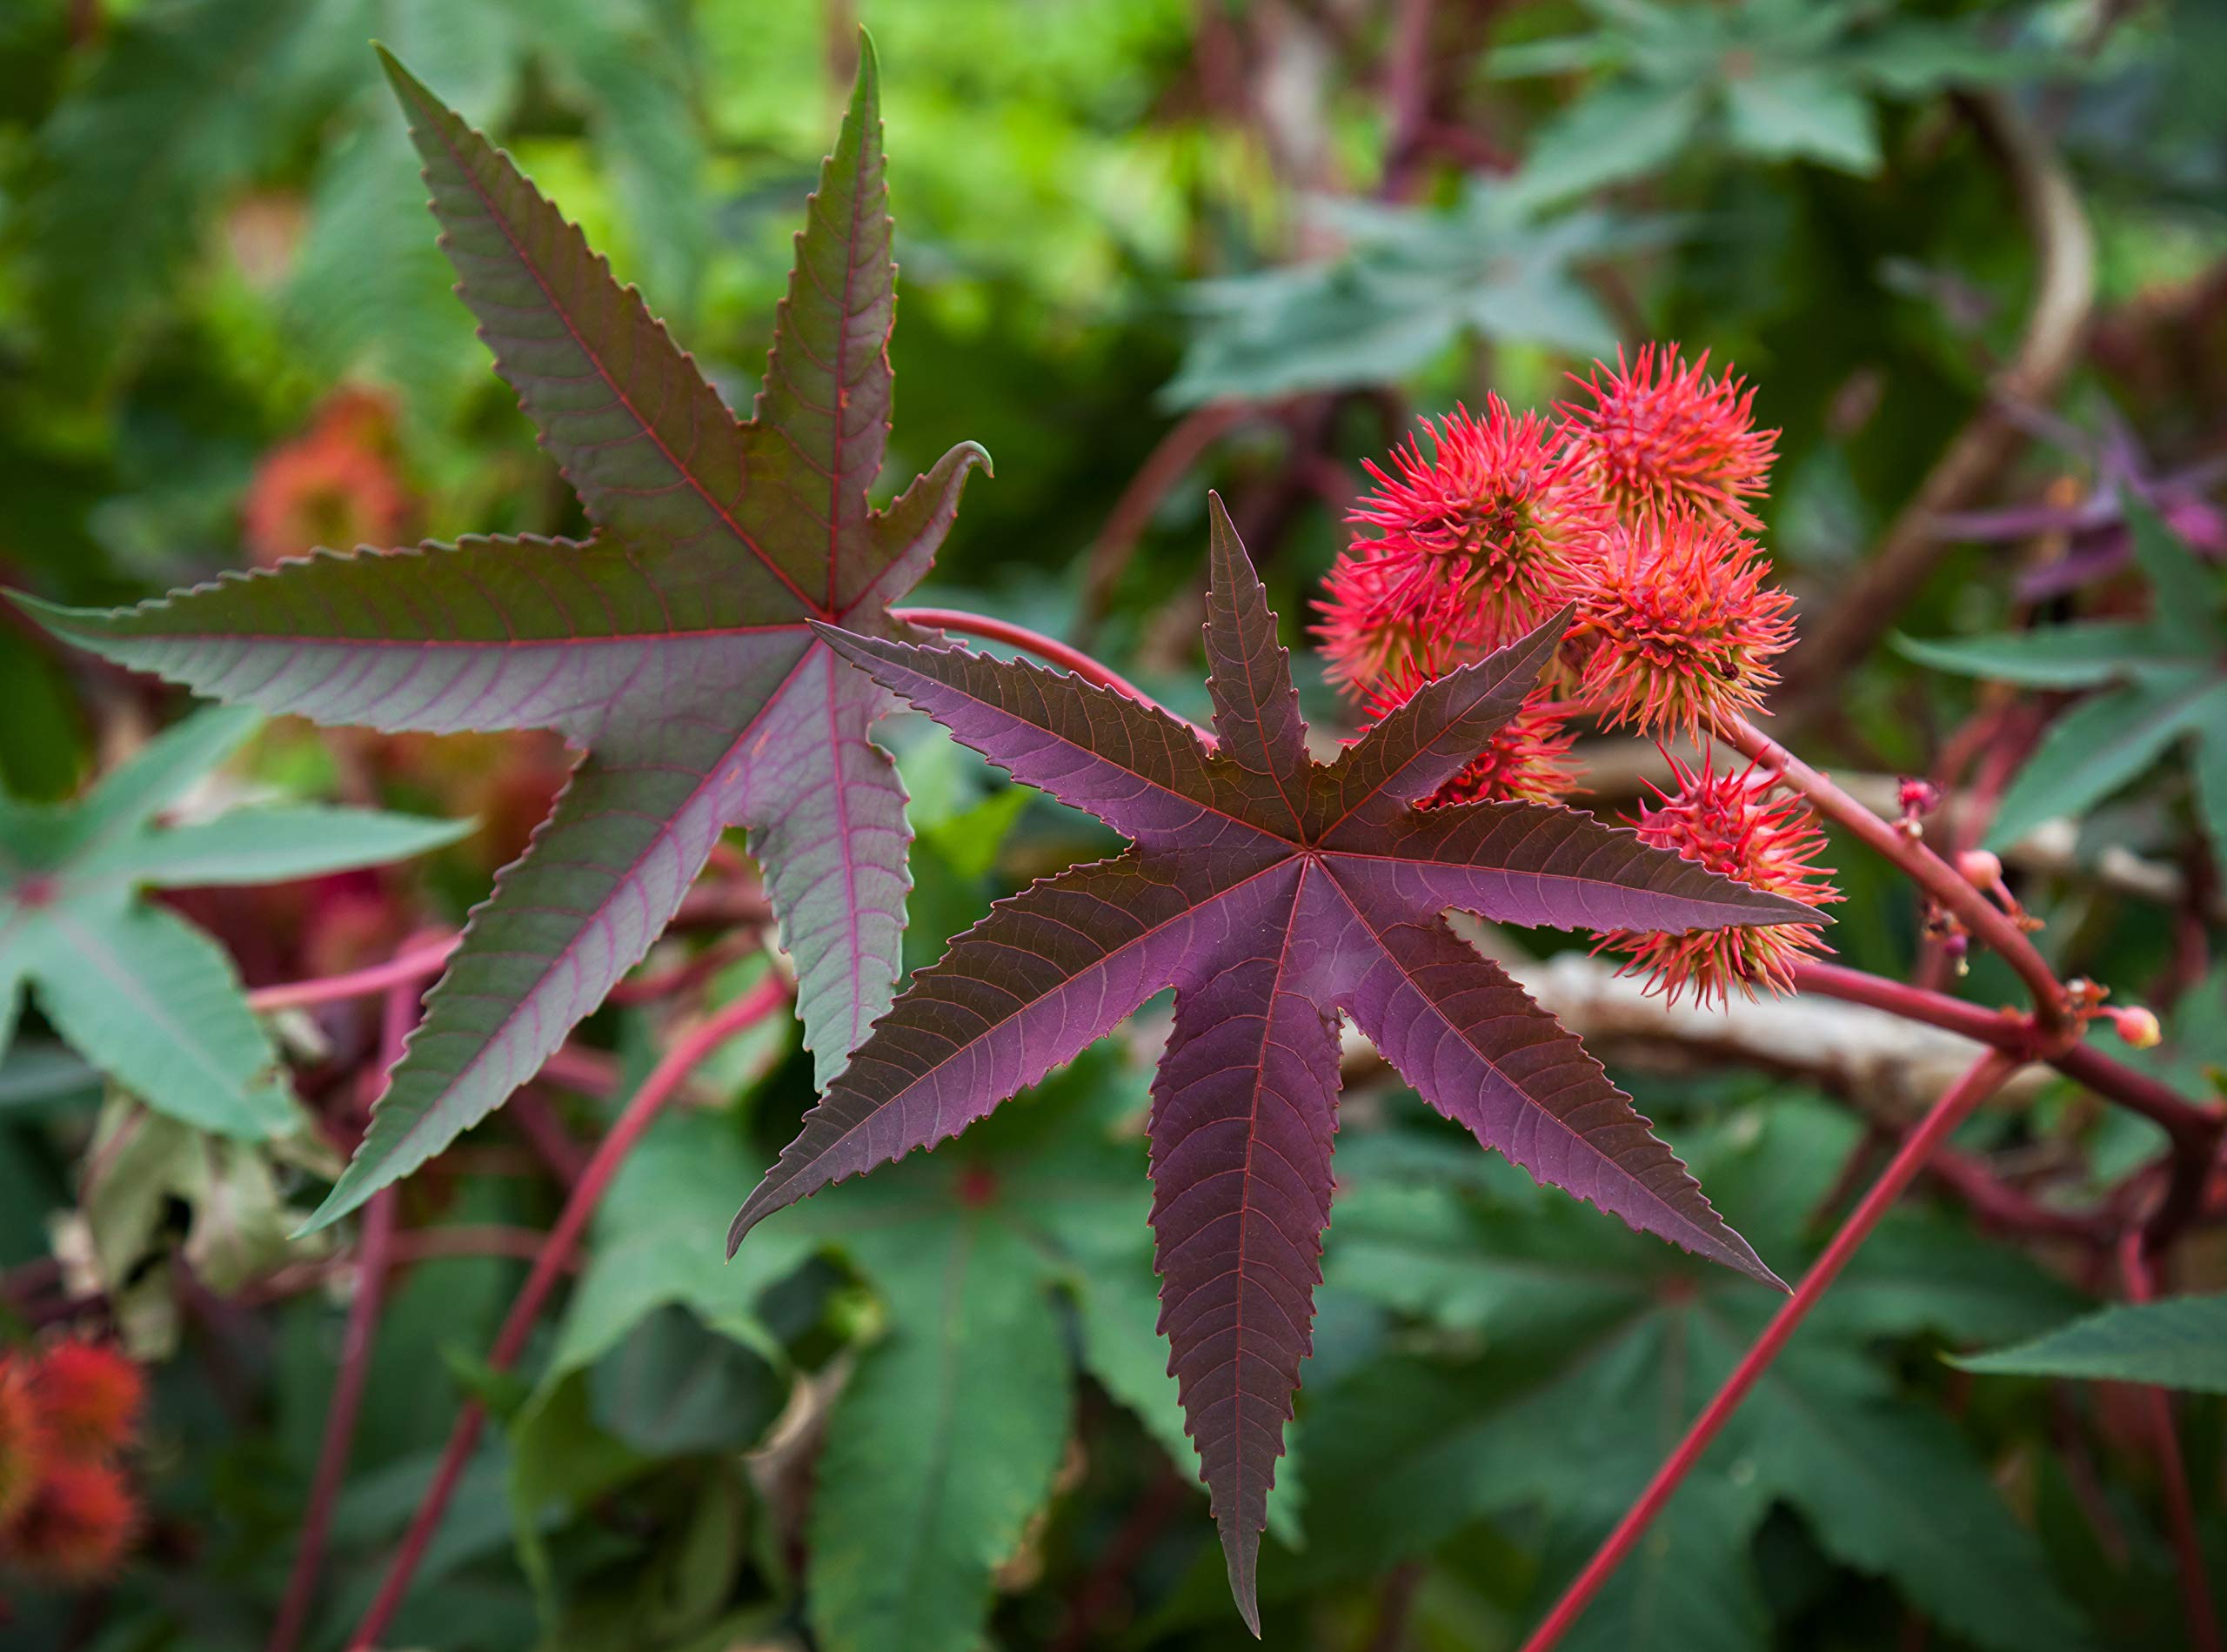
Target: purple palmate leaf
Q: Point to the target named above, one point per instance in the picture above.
(673, 649)
(1272, 892)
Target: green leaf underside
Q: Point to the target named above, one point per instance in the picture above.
(671, 649)
(139, 992)
(2180, 1342)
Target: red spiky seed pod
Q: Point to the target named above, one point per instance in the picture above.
(23, 1445)
(1681, 628)
(1468, 547)
(76, 1527)
(1528, 759)
(1663, 436)
(1734, 824)
(89, 1396)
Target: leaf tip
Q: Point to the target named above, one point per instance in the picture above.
(754, 1210)
(47, 613)
(324, 1215)
(1739, 1255)
(407, 86)
(866, 89)
(848, 644)
(1241, 1551)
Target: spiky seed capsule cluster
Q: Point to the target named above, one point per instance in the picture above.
(77, 1526)
(1636, 507)
(1464, 549)
(68, 1412)
(1736, 825)
(1679, 629)
(24, 1448)
(90, 1395)
(1661, 438)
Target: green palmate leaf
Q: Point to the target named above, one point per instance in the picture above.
(1618, 132)
(943, 1444)
(1805, 115)
(1776, 80)
(649, 1250)
(272, 844)
(2103, 743)
(1690, 1584)
(2210, 764)
(671, 648)
(191, 97)
(648, 1262)
(151, 1000)
(2062, 656)
(954, 1420)
(156, 1003)
(2177, 1343)
(2184, 593)
(1600, 1359)
(2171, 669)
(1410, 283)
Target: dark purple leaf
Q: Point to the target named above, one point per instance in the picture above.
(1272, 892)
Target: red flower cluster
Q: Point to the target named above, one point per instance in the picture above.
(67, 1413)
(1734, 824)
(336, 486)
(1633, 505)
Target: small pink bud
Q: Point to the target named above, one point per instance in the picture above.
(1981, 869)
(2138, 1027)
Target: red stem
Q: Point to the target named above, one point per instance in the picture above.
(1985, 1076)
(2180, 1506)
(1051, 648)
(405, 969)
(362, 1334)
(663, 1083)
(1928, 870)
(2196, 1131)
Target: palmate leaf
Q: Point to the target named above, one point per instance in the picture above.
(1605, 1354)
(1770, 79)
(138, 990)
(1272, 892)
(947, 1435)
(2178, 1344)
(1410, 281)
(2164, 677)
(671, 647)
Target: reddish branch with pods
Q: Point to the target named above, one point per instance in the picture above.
(717, 649)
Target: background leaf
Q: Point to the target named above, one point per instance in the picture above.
(2178, 1344)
